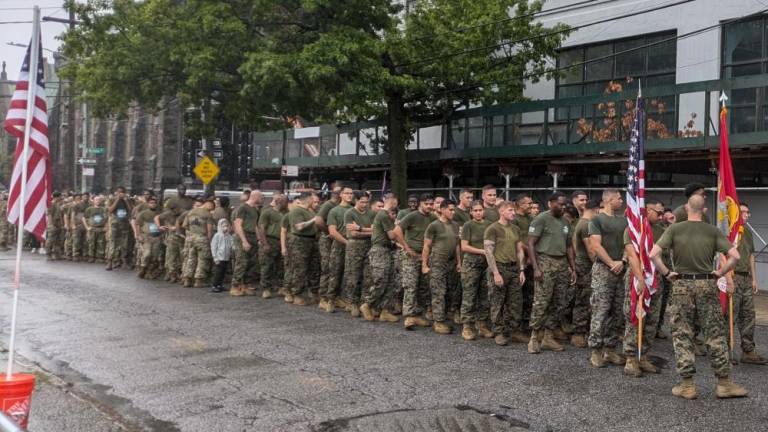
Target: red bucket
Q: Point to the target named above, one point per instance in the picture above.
(16, 397)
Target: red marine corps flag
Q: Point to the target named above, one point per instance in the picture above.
(37, 191)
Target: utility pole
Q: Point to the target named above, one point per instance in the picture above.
(84, 153)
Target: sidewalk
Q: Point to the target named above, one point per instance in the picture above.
(56, 409)
(761, 308)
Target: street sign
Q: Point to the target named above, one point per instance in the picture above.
(96, 150)
(206, 170)
(88, 171)
(86, 161)
(290, 170)
(218, 154)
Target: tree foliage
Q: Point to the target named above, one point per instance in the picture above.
(324, 60)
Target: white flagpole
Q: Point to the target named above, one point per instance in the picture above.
(21, 201)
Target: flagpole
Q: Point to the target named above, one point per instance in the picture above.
(723, 99)
(640, 303)
(34, 52)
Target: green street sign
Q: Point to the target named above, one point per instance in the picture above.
(96, 150)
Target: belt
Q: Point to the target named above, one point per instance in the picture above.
(252, 233)
(274, 237)
(512, 265)
(745, 274)
(553, 256)
(305, 236)
(698, 276)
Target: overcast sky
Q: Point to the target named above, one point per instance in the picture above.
(21, 10)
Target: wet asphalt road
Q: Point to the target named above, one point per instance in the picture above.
(166, 358)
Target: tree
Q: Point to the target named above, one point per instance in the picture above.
(323, 60)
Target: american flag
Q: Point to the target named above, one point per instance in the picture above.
(38, 188)
(637, 223)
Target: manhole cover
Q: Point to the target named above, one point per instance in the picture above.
(460, 418)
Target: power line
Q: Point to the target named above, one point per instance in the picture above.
(538, 14)
(602, 58)
(552, 33)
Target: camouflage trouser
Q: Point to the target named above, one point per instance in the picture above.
(78, 242)
(744, 311)
(245, 268)
(382, 288)
(97, 242)
(650, 320)
(138, 250)
(398, 277)
(356, 269)
(198, 261)
(506, 301)
(117, 245)
(336, 260)
(581, 294)
(287, 268)
(173, 259)
(698, 302)
(305, 260)
(271, 262)
(54, 242)
(415, 285)
(68, 243)
(442, 279)
(324, 247)
(528, 289)
(607, 302)
(151, 257)
(474, 299)
(665, 287)
(550, 293)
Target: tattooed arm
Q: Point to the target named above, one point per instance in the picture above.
(490, 247)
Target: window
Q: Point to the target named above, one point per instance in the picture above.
(596, 65)
(745, 52)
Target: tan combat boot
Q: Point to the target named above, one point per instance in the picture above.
(428, 315)
(173, 277)
(387, 316)
(288, 298)
(753, 358)
(329, 307)
(422, 322)
(468, 333)
(365, 309)
(613, 357)
(686, 389)
(440, 327)
(354, 310)
(501, 340)
(266, 294)
(236, 290)
(299, 301)
(200, 283)
(341, 304)
(248, 290)
(483, 330)
(142, 272)
(519, 337)
(187, 282)
(457, 318)
(409, 323)
(647, 366)
(578, 340)
(596, 358)
(548, 342)
(559, 334)
(632, 367)
(729, 389)
(534, 347)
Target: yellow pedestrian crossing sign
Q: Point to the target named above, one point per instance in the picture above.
(206, 170)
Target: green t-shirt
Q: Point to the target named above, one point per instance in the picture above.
(611, 232)
(197, 221)
(336, 218)
(78, 212)
(491, 214)
(473, 232)
(553, 234)
(693, 245)
(403, 213)
(382, 224)
(285, 223)
(184, 203)
(249, 215)
(168, 218)
(96, 217)
(523, 223)
(746, 248)
(363, 220)
(146, 220)
(325, 209)
(461, 216)
(505, 237)
(269, 221)
(445, 238)
(580, 233)
(414, 224)
(299, 215)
